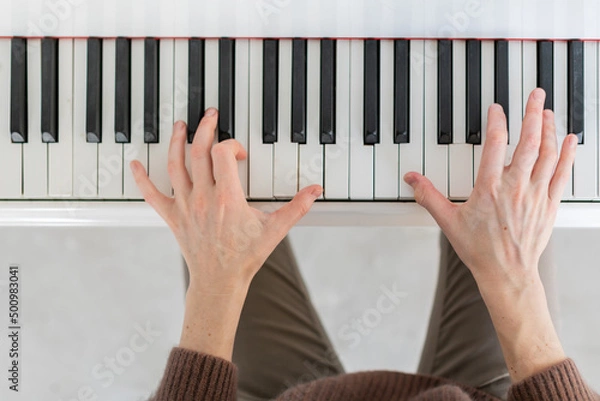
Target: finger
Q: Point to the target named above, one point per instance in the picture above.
(544, 167)
(563, 168)
(180, 179)
(528, 147)
(494, 149)
(289, 214)
(225, 156)
(430, 198)
(159, 202)
(201, 163)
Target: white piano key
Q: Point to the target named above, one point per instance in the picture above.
(85, 155)
(211, 77)
(241, 104)
(310, 158)
(158, 152)
(361, 156)
(10, 153)
(180, 88)
(110, 153)
(585, 170)
(285, 152)
(436, 156)
(411, 154)
(260, 162)
(180, 92)
(459, 92)
(515, 97)
(60, 155)
(487, 98)
(460, 153)
(460, 169)
(386, 152)
(136, 149)
(211, 73)
(560, 101)
(529, 65)
(35, 152)
(336, 160)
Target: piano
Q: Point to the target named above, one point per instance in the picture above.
(351, 100)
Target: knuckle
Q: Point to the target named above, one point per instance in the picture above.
(496, 137)
(420, 197)
(196, 152)
(531, 143)
(172, 167)
(534, 107)
(221, 199)
(303, 208)
(207, 123)
(550, 124)
(219, 150)
(199, 211)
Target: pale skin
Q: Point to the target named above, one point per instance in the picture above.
(500, 232)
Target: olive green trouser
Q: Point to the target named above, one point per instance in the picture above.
(281, 342)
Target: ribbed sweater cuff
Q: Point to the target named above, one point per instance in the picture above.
(559, 382)
(191, 375)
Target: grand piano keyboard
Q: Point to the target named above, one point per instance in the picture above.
(351, 115)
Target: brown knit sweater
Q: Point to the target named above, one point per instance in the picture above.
(194, 376)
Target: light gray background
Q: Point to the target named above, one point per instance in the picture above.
(84, 289)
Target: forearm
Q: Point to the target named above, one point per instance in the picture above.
(211, 319)
(524, 326)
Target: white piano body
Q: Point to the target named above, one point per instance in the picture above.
(370, 182)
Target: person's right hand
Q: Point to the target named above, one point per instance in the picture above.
(502, 229)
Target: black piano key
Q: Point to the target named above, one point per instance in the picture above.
(545, 70)
(49, 123)
(94, 91)
(151, 90)
(371, 95)
(18, 90)
(444, 92)
(270, 87)
(473, 79)
(501, 75)
(226, 88)
(123, 91)
(327, 120)
(195, 85)
(575, 96)
(401, 90)
(299, 91)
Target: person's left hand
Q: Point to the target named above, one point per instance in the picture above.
(223, 240)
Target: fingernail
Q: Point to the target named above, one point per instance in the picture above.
(539, 94)
(496, 107)
(133, 166)
(317, 192)
(410, 179)
(210, 112)
(574, 141)
(179, 125)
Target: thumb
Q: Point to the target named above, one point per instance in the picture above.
(430, 198)
(289, 214)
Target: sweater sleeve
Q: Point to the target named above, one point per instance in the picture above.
(191, 375)
(559, 382)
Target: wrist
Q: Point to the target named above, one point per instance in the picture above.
(212, 314)
(524, 327)
(505, 291)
